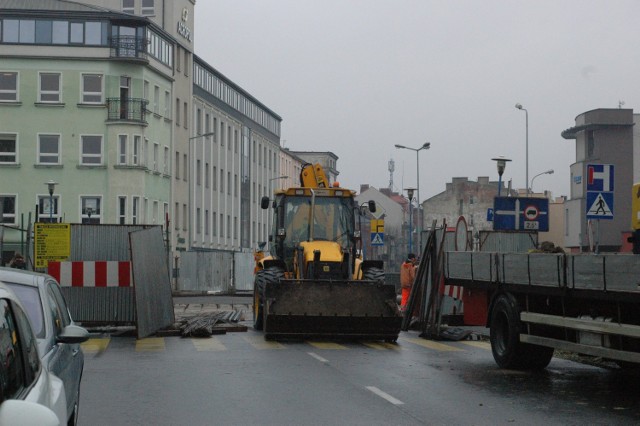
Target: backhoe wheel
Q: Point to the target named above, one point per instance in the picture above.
(373, 274)
(263, 276)
(506, 347)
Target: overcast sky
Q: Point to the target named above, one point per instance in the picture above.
(355, 77)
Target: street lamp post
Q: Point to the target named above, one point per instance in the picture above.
(274, 179)
(51, 185)
(501, 162)
(424, 146)
(548, 172)
(410, 192)
(526, 114)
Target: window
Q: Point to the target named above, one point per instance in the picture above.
(145, 154)
(206, 175)
(122, 149)
(90, 209)
(128, 6)
(8, 86)
(185, 167)
(167, 167)
(229, 183)
(135, 210)
(167, 105)
(147, 8)
(185, 120)
(135, 154)
(48, 149)
(155, 212)
(222, 225)
(177, 165)
(77, 33)
(91, 150)
(198, 221)
(176, 217)
(206, 222)
(122, 210)
(91, 88)
(8, 206)
(177, 111)
(46, 211)
(222, 181)
(145, 90)
(8, 148)
(16, 338)
(198, 171)
(156, 148)
(59, 32)
(184, 217)
(215, 178)
(144, 216)
(49, 87)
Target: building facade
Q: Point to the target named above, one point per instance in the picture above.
(602, 136)
(107, 99)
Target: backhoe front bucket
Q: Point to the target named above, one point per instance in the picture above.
(307, 309)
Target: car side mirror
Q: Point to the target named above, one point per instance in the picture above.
(73, 334)
(372, 206)
(264, 202)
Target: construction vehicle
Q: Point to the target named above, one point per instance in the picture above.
(315, 282)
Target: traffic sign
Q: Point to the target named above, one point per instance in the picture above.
(377, 239)
(600, 186)
(521, 214)
(599, 205)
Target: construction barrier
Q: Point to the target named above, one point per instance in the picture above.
(92, 273)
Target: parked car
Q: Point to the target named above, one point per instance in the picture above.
(58, 337)
(29, 394)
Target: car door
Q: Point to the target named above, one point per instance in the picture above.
(65, 360)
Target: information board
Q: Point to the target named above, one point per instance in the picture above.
(52, 243)
(521, 214)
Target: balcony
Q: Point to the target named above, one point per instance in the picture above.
(128, 47)
(127, 109)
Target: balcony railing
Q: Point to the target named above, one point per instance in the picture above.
(128, 47)
(127, 109)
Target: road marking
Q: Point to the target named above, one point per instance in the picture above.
(318, 357)
(477, 344)
(150, 344)
(327, 345)
(258, 342)
(384, 395)
(210, 344)
(431, 344)
(382, 346)
(93, 346)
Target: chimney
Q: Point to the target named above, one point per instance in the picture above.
(363, 187)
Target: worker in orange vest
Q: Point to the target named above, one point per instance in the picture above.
(407, 276)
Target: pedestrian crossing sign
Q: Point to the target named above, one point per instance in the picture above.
(599, 205)
(377, 239)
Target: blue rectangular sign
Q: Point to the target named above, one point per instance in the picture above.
(521, 214)
(600, 177)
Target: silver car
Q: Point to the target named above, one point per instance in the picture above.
(29, 394)
(58, 337)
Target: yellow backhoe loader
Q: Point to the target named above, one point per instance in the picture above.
(315, 283)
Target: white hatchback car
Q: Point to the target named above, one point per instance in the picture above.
(29, 394)
(58, 337)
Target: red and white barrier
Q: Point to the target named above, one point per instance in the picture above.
(92, 274)
(453, 291)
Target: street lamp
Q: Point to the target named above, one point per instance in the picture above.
(425, 146)
(526, 113)
(276, 178)
(410, 192)
(51, 185)
(192, 180)
(548, 172)
(501, 162)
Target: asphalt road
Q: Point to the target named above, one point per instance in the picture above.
(239, 379)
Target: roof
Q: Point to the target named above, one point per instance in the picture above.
(58, 5)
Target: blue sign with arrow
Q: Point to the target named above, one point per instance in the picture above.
(521, 214)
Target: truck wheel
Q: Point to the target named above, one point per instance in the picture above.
(506, 347)
(373, 274)
(263, 276)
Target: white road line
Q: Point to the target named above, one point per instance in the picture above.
(384, 395)
(318, 357)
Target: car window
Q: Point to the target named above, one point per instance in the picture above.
(30, 298)
(19, 360)
(54, 312)
(62, 304)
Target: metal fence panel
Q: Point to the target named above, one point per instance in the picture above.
(154, 302)
(205, 271)
(102, 242)
(244, 264)
(507, 242)
(101, 305)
